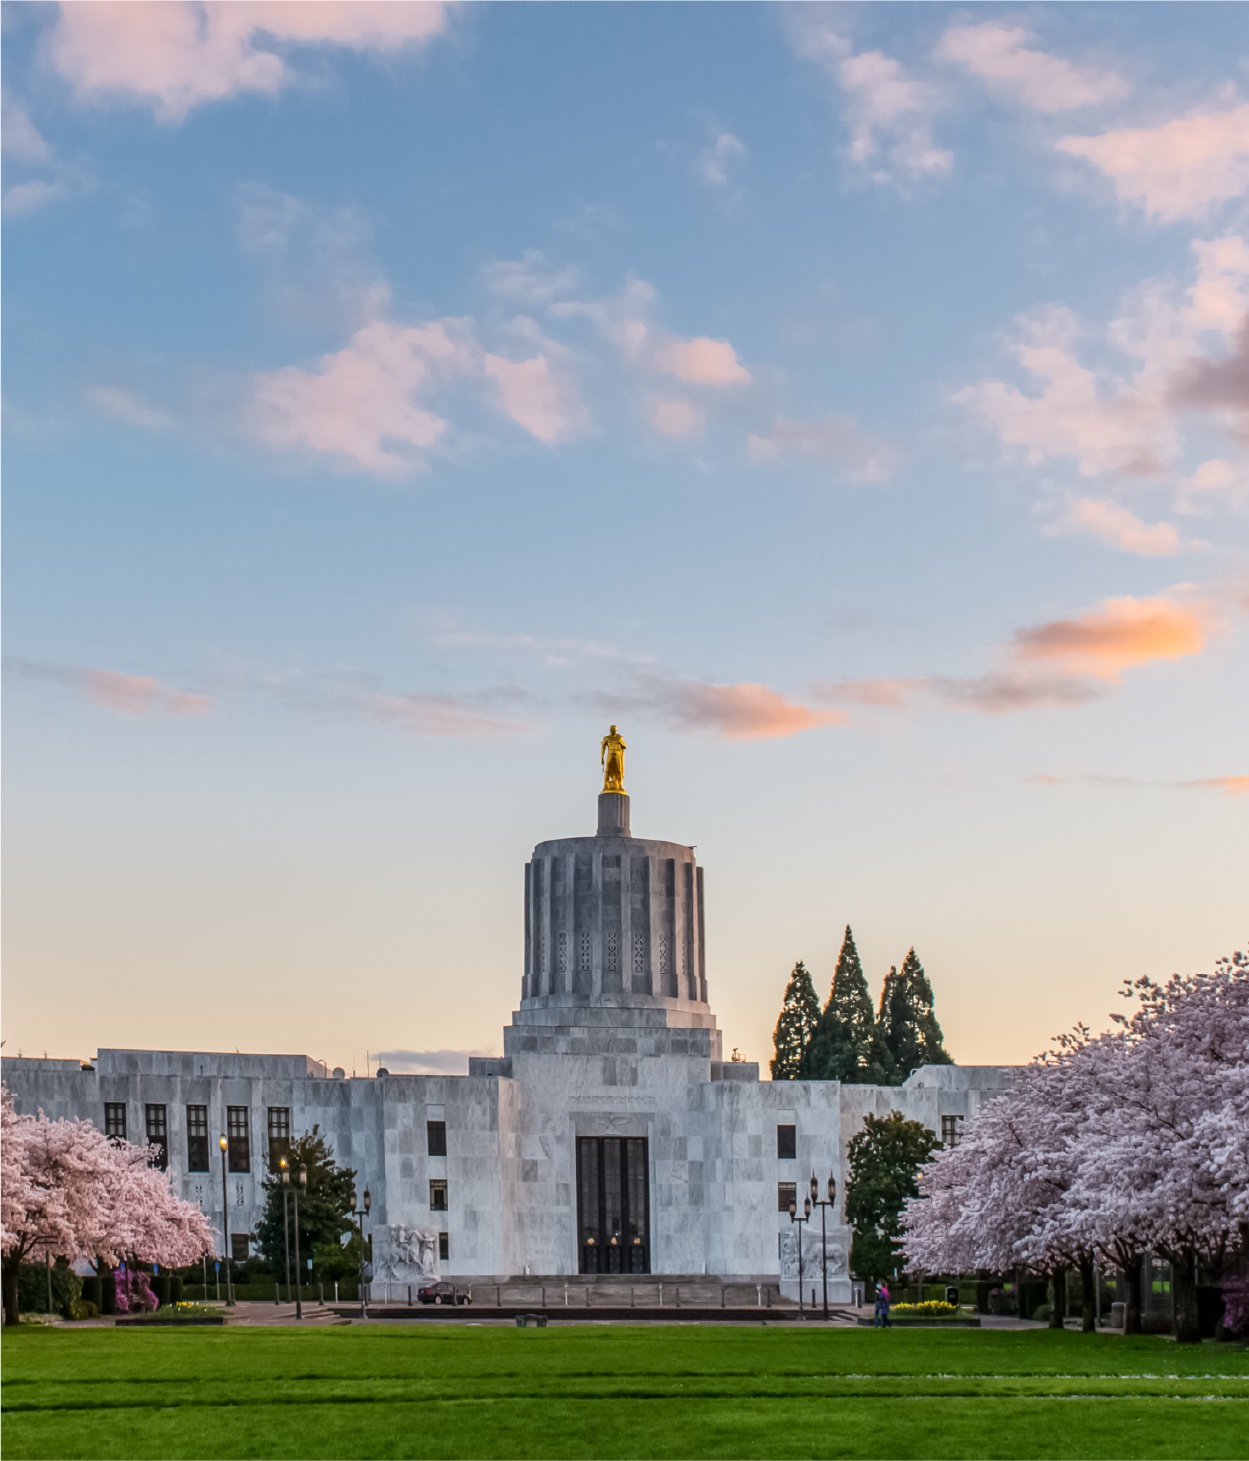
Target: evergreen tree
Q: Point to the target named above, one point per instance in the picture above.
(907, 1032)
(841, 1047)
(885, 1158)
(800, 1013)
(324, 1205)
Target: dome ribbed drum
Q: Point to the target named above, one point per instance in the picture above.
(614, 922)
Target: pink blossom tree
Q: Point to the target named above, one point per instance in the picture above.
(71, 1192)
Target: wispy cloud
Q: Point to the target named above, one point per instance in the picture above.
(1056, 665)
(747, 711)
(1116, 526)
(713, 163)
(366, 405)
(132, 695)
(1220, 384)
(836, 440)
(19, 136)
(1110, 398)
(1000, 55)
(123, 405)
(888, 111)
(176, 56)
(1181, 169)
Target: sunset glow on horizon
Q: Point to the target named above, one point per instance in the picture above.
(852, 403)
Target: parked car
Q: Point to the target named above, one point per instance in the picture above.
(443, 1293)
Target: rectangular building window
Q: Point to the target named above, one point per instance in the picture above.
(279, 1133)
(197, 1138)
(786, 1195)
(238, 1142)
(239, 1245)
(115, 1119)
(444, 1246)
(951, 1130)
(786, 1142)
(158, 1134)
(437, 1196)
(436, 1138)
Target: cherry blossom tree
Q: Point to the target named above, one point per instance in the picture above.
(1132, 1141)
(70, 1192)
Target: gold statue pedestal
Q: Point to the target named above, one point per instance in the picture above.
(613, 814)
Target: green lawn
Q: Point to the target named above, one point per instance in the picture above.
(617, 1391)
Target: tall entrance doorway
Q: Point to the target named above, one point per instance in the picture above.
(613, 1206)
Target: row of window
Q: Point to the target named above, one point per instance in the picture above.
(238, 1139)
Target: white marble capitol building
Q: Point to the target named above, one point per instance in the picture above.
(611, 1136)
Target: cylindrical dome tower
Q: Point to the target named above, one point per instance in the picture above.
(613, 932)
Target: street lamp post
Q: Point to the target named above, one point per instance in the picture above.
(303, 1182)
(285, 1170)
(823, 1205)
(794, 1218)
(225, 1220)
(361, 1213)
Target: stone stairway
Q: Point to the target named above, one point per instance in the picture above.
(611, 1291)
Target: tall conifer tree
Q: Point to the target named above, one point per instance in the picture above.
(841, 1047)
(907, 1031)
(800, 1013)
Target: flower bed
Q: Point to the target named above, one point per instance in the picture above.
(176, 1314)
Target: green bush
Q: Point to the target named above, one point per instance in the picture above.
(83, 1309)
(1042, 1313)
(32, 1288)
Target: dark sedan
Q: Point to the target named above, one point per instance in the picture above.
(443, 1293)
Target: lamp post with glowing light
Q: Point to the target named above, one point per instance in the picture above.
(284, 1169)
(303, 1184)
(794, 1218)
(361, 1213)
(823, 1204)
(225, 1219)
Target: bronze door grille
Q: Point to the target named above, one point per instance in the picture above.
(613, 1207)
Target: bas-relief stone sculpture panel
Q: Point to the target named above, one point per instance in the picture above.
(403, 1254)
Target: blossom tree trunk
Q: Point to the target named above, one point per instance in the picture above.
(1059, 1311)
(1184, 1295)
(1088, 1295)
(1132, 1297)
(11, 1314)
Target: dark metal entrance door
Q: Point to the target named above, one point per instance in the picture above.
(613, 1205)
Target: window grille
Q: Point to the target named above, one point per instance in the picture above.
(197, 1138)
(786, 1195)
(115, 1120)
(279, 1133)
(437, 1195)
(238, 1142)
(444, 1246)
(158, 1134)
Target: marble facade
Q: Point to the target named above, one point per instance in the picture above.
(612, 1055)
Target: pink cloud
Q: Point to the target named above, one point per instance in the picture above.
(364, 404)
(889, 112)
(542, 401)
(125, 406)
(175, 56)
(1118, 634)
(1182, 169)
(701, 361)
(998, 54)
(838, 440)
(133, 695)
(738, 712)
(451, 717)
(1118, 527)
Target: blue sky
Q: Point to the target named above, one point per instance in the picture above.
(851, 402)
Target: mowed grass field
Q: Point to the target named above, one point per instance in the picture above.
(617, 1391)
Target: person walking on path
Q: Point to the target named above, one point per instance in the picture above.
(882, 1306)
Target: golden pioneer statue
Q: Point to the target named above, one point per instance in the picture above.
(612, 760)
